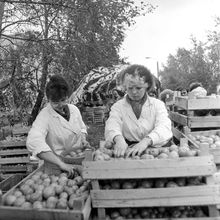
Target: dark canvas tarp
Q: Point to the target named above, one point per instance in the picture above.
(102, 79)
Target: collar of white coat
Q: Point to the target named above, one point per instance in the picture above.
(148, 102)
(54, 113)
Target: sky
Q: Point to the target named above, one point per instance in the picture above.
(169, 27)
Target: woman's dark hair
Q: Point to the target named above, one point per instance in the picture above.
(194, 85)
(57, 88)
(142, 72)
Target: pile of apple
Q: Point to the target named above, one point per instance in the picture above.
(74, 153)
(173, 151)
(151, 183)
(48, 191)
(157, 212)
(213, 140)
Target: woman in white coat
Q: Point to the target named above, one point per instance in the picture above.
(58, 127)
(138, 119)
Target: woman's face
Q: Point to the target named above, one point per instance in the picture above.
(58, 106)
(135, 87)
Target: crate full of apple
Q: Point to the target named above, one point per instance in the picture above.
(170, 152)
(41, 193)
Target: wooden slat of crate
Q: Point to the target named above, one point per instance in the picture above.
(20, 131)
(12, 143)
(192, 218)
(118, 169)
(11, 181)
(196, 104)
(179, 118)
(14, 160)
(14, 169)
(206, 133)
(11, 213)
(177, 196)
(13, 152)
(216, 154)
(177, 133)
(195, 122)
(206, 121)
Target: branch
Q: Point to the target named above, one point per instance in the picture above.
(18, 22)
(36, 3)
(36, 40)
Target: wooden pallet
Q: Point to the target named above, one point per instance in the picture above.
(208, 194)
(81, 212)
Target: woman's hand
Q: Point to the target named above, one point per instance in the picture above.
(139, 148)
(120, 146)
(69, 168)
(84, 142)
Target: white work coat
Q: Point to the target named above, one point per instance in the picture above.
(153, 122)
(51, 132)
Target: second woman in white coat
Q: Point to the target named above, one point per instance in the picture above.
(138, 119)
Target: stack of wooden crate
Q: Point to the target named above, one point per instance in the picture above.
(190, 124)
(184, 113)
(99, 115)
(14, 157)
(197, 195)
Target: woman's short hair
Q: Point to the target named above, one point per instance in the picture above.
(57, 88)
(142, 72)
(194, 85)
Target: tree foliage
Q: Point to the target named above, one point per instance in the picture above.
(200, 63)
(68, 37)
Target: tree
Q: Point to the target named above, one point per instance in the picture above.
(200, 63)
(72, 36)
(189, 66)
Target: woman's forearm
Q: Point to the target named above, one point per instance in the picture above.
(50, 157)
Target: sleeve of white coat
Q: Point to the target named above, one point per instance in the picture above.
(113, 125)
(162, 130)
(36, 140)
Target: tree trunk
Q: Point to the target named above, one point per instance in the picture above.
(2, 6)
(43, 80)
(45, 63)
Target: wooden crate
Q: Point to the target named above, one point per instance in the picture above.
(99, 115)
(81, 212)
(190, 106)
(195, 121)
(208, 194)
(14, 157)
(215, 152)
(11, 181)
(207, 103)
